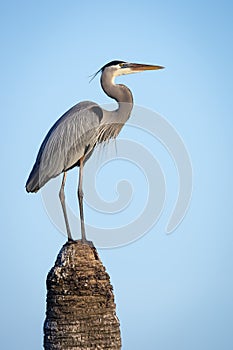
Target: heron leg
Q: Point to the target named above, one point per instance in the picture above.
(63, 204)
(80, 199)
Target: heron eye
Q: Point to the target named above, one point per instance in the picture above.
(122, 65)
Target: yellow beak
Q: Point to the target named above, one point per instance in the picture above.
(137, 67)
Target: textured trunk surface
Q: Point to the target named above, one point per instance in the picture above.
(81, 313)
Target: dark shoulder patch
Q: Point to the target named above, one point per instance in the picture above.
(98, 111)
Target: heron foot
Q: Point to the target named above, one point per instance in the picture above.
(85, 241)
(82, 241)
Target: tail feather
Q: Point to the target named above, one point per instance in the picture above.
(33, 183)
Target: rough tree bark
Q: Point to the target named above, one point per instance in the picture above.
(81, 313)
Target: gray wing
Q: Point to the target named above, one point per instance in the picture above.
(70, 138)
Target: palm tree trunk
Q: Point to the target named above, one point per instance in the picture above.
(81, 313)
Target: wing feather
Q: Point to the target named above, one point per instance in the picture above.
(66, 142)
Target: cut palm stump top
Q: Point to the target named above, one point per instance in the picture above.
(81, 313)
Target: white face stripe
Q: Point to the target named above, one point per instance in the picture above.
(122, 71)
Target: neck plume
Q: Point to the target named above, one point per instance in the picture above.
(113, 121)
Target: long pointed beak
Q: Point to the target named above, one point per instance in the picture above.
(137, 67)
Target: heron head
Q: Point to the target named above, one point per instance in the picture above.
(122, 68)
(117, 68)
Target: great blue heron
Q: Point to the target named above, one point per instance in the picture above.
(72, 139)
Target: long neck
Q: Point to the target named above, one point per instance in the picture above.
(120, 93)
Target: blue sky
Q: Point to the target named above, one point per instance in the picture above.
(172, 291)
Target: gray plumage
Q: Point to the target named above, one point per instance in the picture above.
(72, 136)
(72, 139)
